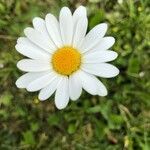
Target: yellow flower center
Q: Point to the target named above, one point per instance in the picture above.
(66, 60)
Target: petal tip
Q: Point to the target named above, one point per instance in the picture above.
(41, 98)
(65, 8)
(29, 89)
(60, 107)
(104, 24)
(117, 71)
(113, 39)
(17, 84)
(104, 94)
(18, 65)
(36, 19)
(27, 30)
(116, 55)
(48, 17)
(81, 7)
(16, 47)
(80, 11)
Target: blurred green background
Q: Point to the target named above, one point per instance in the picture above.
(119, 121)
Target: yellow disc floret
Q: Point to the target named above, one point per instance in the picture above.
(66, 60)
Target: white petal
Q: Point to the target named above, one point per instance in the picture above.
(46, 92)
(53, 29)
(79, 12)
(37, 38)
(75, 86)
(40, 25)
(102, 70)
(66, 25)
(80, 31)
(94, 37)
(99, 56)
(80, 23)
(27, 48)
(92, 85)
(88, 83)
(21, 40)
(104, 44)
(30, 65)
(27, 78)
(62, 94)
(41, 82)
(101, 89)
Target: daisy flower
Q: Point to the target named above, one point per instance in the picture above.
(63, 59)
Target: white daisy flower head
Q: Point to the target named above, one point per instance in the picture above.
(63, 59)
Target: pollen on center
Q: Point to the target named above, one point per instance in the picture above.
(66, 60)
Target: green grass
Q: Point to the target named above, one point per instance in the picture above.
(118, 121)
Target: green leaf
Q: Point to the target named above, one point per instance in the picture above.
(34, 126)
(97, 18)
(53, 119)
(6, 98)
(94, 109)
(71, 128)
(134, 65)
(28, 138)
